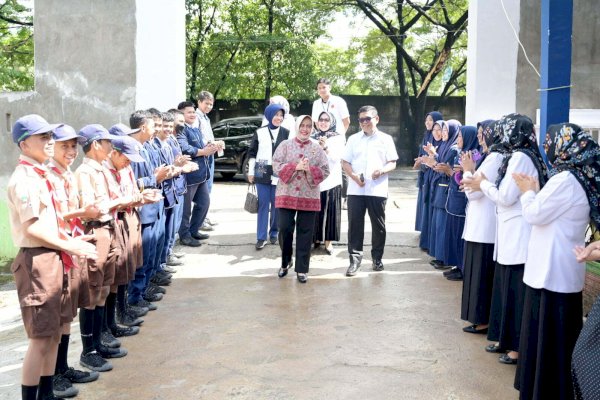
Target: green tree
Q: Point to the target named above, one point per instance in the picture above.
(426, 39)
(16, 44)
(254, 48)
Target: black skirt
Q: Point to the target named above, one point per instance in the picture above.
(478, 280)
(586, 357)
(329, 219)
(507, 306)
(551, 323)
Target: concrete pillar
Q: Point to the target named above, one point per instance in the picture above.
(97, 62)
(492, 60)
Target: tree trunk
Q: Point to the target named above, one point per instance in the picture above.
(269, 71)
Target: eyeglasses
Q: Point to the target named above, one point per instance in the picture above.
(365, 120)
(324, 120)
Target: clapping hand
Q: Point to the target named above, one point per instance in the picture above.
(466, 160)
(526, 183)
(589, 253)
(303, 165)
(473, 183)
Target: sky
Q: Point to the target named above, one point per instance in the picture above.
(345, 28)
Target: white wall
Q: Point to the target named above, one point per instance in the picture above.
(491, 60)
(160, 53)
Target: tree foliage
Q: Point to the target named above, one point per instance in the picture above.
(16, 47)
(254, 48)
(427, 38)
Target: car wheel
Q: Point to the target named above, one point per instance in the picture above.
(228, 175)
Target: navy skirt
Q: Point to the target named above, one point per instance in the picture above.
(454, 245)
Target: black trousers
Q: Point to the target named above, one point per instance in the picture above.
(304, 224)
(357, 205)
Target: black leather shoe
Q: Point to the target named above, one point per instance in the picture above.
(352, 269)
(377, 265)
(473, 329)
(450, 271)
(200, 236)
(302, 278)
(455, 276)
(433, 263)
(190, 241)
(284, 270)
(494, 348)
(505, 359)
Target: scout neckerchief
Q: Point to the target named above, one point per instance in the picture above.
(66, 258)
(75, 224)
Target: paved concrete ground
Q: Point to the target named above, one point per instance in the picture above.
(230, 329)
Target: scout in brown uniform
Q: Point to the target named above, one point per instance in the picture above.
(129, 315)
(124, 151)
(45, 253)
(65, 186)
(93, 187)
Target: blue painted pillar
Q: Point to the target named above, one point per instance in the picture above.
(555, 63)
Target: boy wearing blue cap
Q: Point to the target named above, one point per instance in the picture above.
(125, 150)
(44, 259)
(93, 184)
(65, 185)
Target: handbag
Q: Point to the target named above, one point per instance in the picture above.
(251, 204)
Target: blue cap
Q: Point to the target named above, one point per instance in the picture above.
(129, 147)
(30, 125)
(122, 130)
(90, 133)
(64, 133)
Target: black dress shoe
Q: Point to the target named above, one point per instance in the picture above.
(455, 276)
(352, 269)
(189, 241)
(377, 265)
(200, 236)
(284, 270)
(494, 348)
(433, 263)
(505, 359)
(301, 277)
(450, 271)
(473, 329)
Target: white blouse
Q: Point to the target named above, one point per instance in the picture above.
(559, 215)
(512, 231)
(335, 149)
(480, 222)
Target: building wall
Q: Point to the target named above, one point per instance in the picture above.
(96, 62)
(585, 60)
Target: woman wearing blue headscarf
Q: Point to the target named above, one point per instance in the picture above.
(260, 171)
(439, 184)
(456, 205)
(430, 119)
(427, 163)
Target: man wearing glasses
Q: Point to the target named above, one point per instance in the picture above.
(369, 155)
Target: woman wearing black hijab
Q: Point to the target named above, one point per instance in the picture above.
(519, 144)
(480, 233)
(559, 214)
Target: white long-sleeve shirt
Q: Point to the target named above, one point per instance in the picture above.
(559, 215)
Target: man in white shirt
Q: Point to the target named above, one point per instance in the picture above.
(333, 104)
(338, 107)
(369, 155)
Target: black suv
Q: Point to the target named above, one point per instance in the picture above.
(237, 134)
